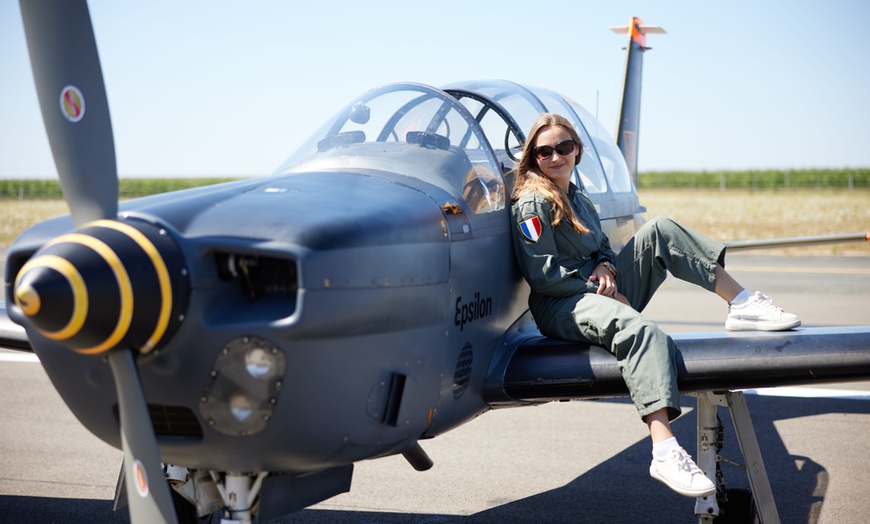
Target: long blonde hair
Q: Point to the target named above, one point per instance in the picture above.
(529, 178)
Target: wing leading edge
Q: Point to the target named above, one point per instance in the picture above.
(542, 369)
(11, 334)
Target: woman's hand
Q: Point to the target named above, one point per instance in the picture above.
(606, 281)
(621, 298)
(607, 284)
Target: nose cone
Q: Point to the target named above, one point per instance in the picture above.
(28, 300)
(111, 284)
(49, 292)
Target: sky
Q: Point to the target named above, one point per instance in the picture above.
(228, 88)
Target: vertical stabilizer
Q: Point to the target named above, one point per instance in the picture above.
(628, 124)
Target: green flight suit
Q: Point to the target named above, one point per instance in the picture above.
(557, 262)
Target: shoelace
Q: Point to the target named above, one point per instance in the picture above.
(686, 463)
(766, 302)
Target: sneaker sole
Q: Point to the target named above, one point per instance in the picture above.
(682, 491)
(733, 324)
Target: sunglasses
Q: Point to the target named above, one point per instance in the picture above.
(564, 148)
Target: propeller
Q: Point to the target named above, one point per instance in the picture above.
(72, 97)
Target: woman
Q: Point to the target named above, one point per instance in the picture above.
(581, 290)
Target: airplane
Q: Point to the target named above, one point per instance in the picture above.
(251, 341)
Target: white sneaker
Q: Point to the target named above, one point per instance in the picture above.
(680, 473)
(759, 314)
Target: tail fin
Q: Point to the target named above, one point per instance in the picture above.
(628, 125)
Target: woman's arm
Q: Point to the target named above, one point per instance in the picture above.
(537, 252)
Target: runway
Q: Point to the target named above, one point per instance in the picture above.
(557, 463)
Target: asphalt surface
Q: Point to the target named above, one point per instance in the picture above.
(557, 463)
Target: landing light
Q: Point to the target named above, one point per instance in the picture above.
(240, 407)
(243, 387)
(261, 362)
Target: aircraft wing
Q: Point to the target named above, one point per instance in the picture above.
(542, 369)
(11, 334)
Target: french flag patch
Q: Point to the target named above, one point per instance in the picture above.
(531, 228)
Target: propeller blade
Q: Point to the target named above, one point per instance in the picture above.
(72, 97)
(147, 490)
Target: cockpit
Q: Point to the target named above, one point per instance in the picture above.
(464, 139)
(415, 131)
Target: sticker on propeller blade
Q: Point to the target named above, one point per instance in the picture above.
(531, 228)
(141, 478)
(72, 104)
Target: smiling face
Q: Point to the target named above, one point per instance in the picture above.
(556, 167)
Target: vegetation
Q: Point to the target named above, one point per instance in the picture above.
(27, 202)
(740, 214)
(767, 179)
(753, 204)
(752, 180)
(127, 187)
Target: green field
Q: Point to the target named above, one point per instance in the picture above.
(774, 180)
(127, 187)
(757, 179)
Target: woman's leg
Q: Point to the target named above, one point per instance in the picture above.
(661, 246)
(646, 355)
(671, 464)
(659, 426)
(647, 359)
(726, 286)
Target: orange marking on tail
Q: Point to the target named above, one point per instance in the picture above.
(636, 35)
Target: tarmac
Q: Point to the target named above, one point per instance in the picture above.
(572, 462)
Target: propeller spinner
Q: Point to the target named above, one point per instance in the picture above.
(69, 289)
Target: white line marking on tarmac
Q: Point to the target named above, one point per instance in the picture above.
(19, 357)
(840, 394)
(775, 269)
